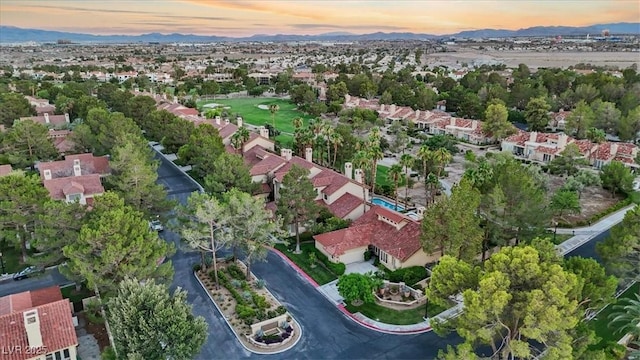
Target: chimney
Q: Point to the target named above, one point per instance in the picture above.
(392, 108)
(76, 168)
(66, 118)
(218, 120)
(452, 121)
(32, 327)
(47, 174)
(286, 154)
(347, 98)
(474, 124)
(308, 154)
(614, 150)
(358, 176)
(420, 211)
(562, 141)
(239, 121)
(348, 170)
(46, 118)
(357, 101)
(381, 107)
(533, 136)
(417, 114)
(264, 132)
(226, 121)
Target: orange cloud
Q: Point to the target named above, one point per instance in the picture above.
(292, 9)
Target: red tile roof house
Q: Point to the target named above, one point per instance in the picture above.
(393, 237)
(5, 170)
(49, 120)
(434, 122)
(622, 152)
(76, 178)
(339, 193)
(543, 147)
(37, 324)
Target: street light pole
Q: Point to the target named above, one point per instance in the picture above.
(555, 231)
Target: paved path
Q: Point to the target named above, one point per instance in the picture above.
(585, 234)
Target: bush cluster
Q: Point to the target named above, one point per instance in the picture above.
(409, 276)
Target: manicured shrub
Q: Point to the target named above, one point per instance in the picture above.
(281, 310)
(235, 272)
(245, 312)
(409, 276)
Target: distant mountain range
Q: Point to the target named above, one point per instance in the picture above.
(11, 34)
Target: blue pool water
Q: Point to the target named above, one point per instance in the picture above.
(385, 203)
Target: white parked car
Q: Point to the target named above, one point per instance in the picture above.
(156, 225)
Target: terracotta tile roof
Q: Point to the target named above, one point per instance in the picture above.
(369, 229)
(89, 164)
(49, 109)
(5, 170)
(53, 119)
(626, 149)
(56, 328)
(585, 146)
(270, 163)
(28, 299)
(344, 205)
(87, 184)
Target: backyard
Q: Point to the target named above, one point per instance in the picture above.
(253, 113)
(601, 321)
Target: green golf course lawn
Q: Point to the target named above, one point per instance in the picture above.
(252, 114)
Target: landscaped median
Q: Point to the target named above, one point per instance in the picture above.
(256, 317)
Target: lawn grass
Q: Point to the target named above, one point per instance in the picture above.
(69, 292)
(11, 259)
(394, 317)
(381, 177)
(601, 321)
(248, 109)
(318, 273)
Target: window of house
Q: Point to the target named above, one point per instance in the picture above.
(49, 357)
(74, 197)
(66, 354)
(326, 197)
(383, 256)
(546, 157)
(58, 355)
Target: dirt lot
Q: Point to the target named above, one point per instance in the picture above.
(593, 200)
(535, 59)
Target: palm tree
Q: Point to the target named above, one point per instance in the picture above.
(394, 175)
(425, 155)
(597, 136)
(406, 161)
(336, 140)
(431, 182)
(375, 135)
(442, 157)
(626, 319)
(361, 161)
(327, 133)
(240, 137)
(375, 153)
(297, 122)
(273, 109)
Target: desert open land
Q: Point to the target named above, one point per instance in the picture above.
(536, 59)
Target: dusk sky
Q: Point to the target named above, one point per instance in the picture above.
(248, 17)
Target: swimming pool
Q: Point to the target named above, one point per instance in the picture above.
(387, 204)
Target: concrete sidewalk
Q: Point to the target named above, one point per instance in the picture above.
(600, 226)
(584, 234)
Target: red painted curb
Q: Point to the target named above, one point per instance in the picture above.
(296, 267)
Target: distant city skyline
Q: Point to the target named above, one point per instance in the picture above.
(248, 17)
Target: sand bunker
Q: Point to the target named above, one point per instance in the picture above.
(263, 107)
